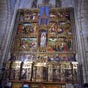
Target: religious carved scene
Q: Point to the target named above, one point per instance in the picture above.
(44, 44)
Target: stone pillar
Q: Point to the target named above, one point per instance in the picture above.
(81, 11)
(9, 21)
(84, 22)
(3, 24)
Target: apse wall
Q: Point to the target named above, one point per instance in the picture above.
(7, 19)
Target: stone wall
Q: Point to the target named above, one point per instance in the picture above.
(3, 25)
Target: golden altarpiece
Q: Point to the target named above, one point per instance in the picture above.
(43, 53)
